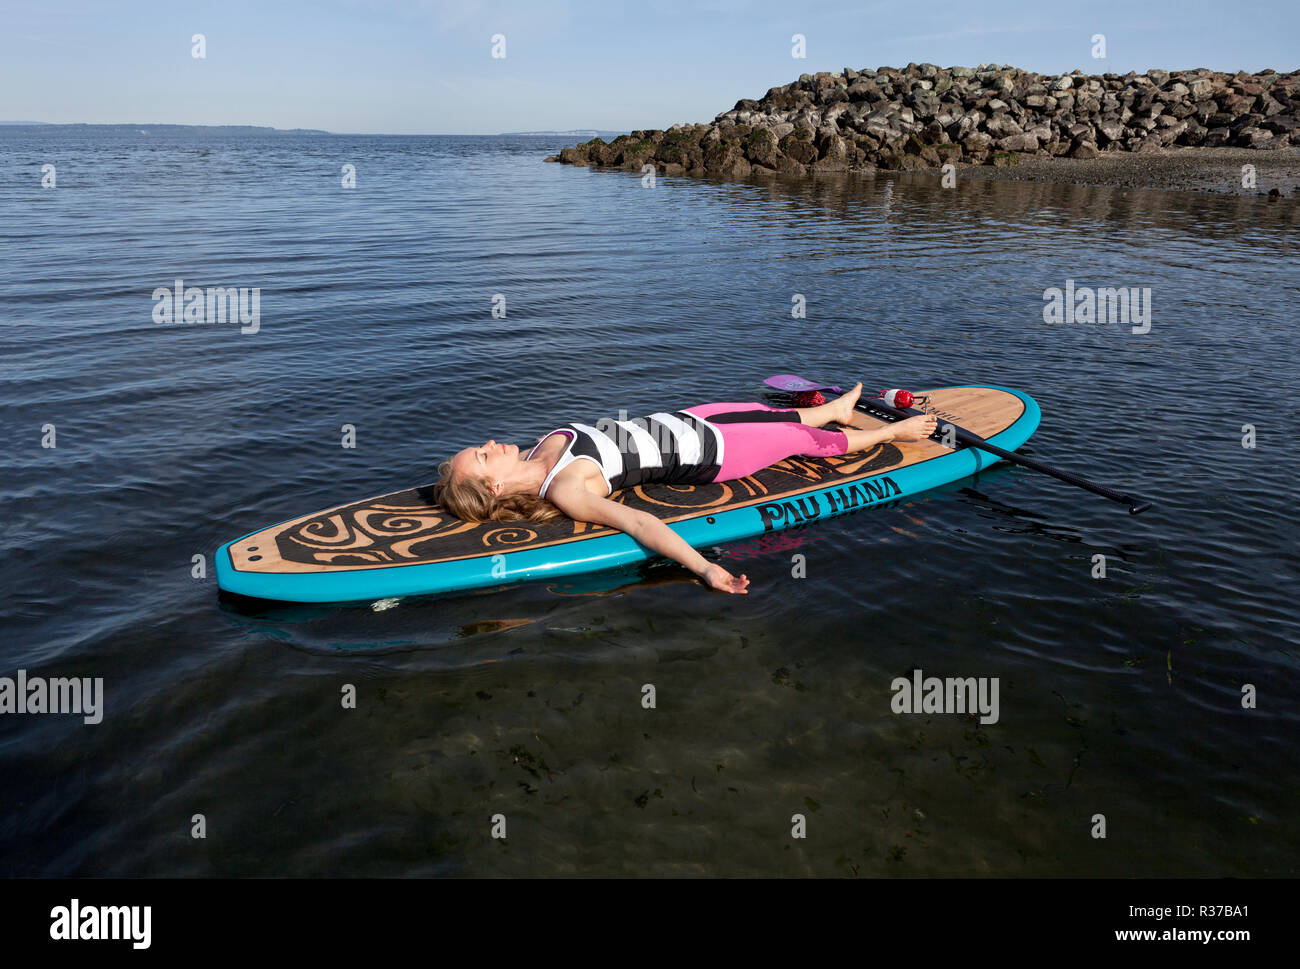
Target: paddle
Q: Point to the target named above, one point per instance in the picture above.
(878, 408)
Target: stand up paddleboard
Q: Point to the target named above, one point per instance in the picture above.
(405, 544)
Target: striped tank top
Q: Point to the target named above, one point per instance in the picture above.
(677, 448)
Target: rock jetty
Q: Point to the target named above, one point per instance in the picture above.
(922, 116)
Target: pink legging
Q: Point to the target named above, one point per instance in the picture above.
(755, 436)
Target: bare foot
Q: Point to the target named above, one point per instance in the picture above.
(847, 402)
(916, 428)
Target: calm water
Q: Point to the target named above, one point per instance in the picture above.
(1118, 696)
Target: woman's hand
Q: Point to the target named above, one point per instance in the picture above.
(572, 498)
(716, 577)
(916, 428)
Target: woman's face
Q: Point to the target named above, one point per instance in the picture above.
(493, 461)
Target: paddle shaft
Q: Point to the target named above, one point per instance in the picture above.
(963, 436)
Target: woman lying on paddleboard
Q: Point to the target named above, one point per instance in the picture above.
(573, 470)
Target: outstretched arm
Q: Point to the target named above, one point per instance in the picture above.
(572, 498)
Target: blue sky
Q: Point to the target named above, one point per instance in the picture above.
(425, 66)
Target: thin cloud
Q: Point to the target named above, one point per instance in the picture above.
(52, 41)
(980, 31)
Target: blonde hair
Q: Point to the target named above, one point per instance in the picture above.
(470, 499)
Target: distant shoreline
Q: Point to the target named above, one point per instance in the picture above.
(265, 129)
(576, 133)
(150, 128)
